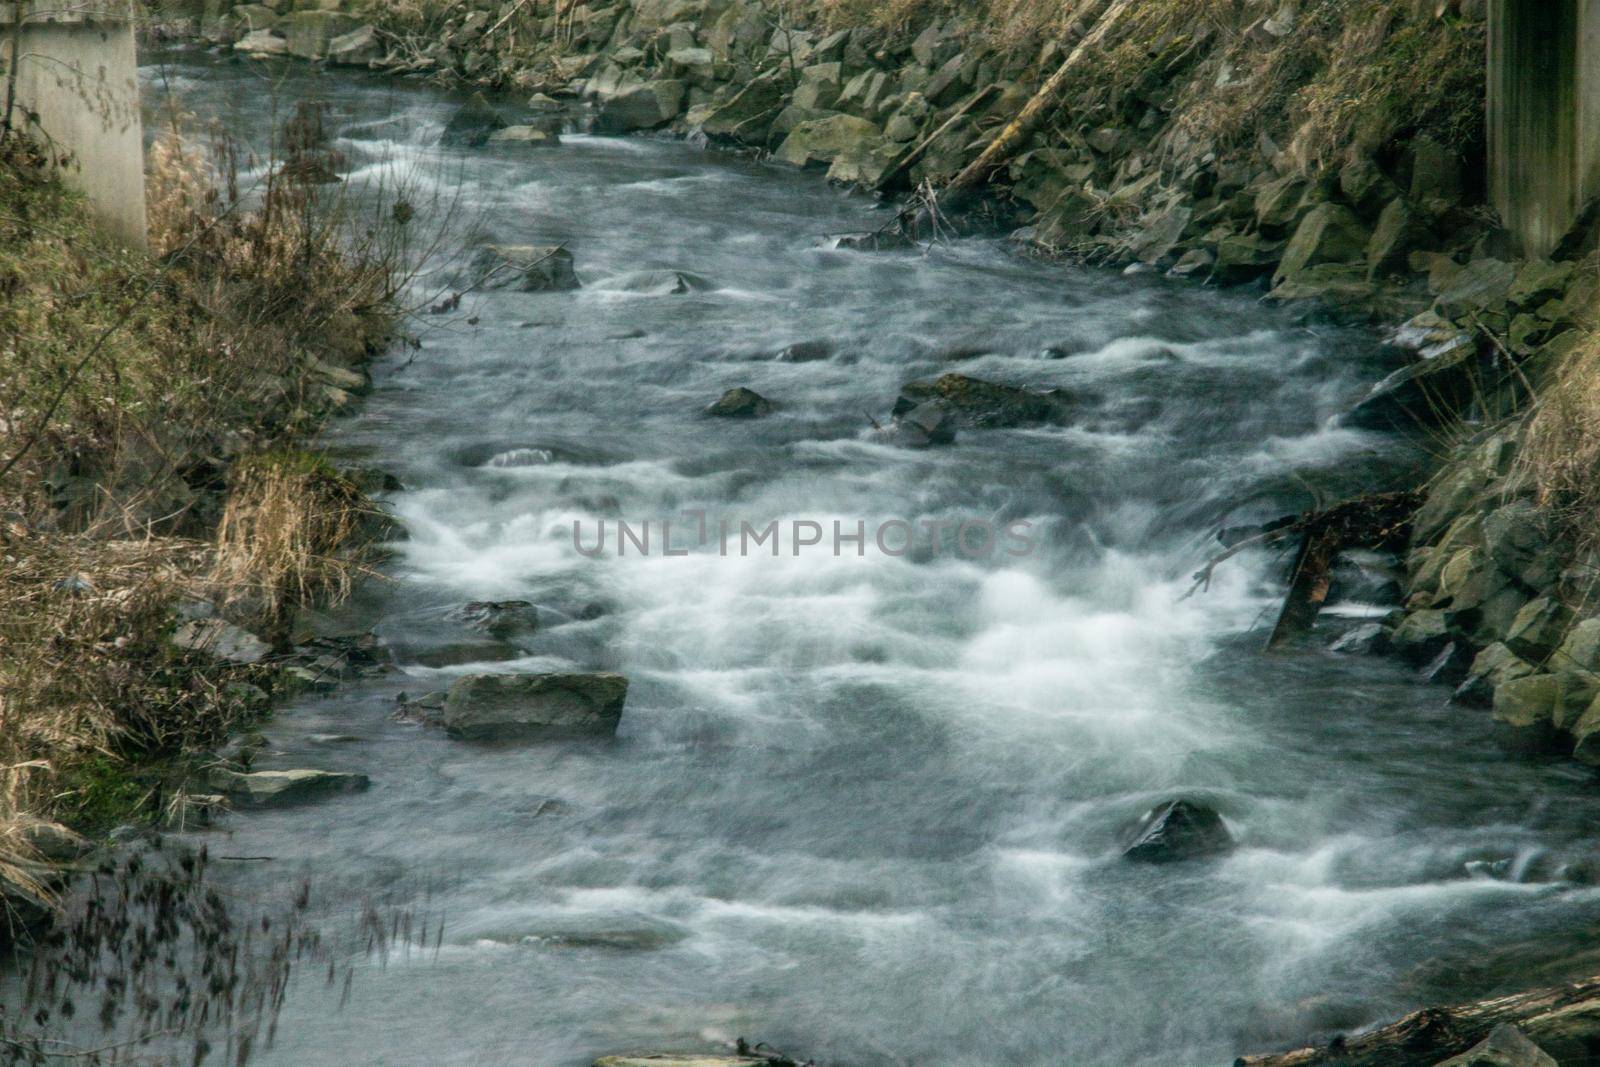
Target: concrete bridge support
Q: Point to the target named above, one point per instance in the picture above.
(77, 73)
(1544, 116)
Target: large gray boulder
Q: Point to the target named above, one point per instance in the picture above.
(979, 404)
(642, 107)
(748, 115)
(310, 33)
(358, 48)
(740, 403)
(1330, 233)
(532, 707)
(220, 640)
(473, 124)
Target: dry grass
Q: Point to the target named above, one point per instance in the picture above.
(137, 388)
(291, 534)
(1561, 451)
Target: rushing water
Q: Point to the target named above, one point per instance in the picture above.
(869, 808)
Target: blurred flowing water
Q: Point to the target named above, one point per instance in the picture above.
(869, 808)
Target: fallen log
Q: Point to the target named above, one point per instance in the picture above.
(1564, 1021)
(1015, 134)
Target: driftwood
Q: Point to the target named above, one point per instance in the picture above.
(1375, 520)
(1016, 133)
(1564, 1021)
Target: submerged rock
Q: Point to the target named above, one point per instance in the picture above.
(281, 789)
(923, 426)
(740, 403)
(530, 136)
(661, 283)
(498, 618)
(531, 707)
(659, 1059)
(530, 268)
(806, 352)
(1178, 830)
(977, 403)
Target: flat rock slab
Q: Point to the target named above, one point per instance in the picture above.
(221, 640)
(282, 789)
(532, 707)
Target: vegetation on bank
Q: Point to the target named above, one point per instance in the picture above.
(149, 434)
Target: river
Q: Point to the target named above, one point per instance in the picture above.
(869, 807)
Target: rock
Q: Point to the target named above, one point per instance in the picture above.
(1540, 280)
(358, 48)
(1370, 638)
(311, 33)
(530, 268)
(1244, 257)
(1481, 286)
(1193, 263)
(1527, 703)
(1436, 174)
(281, 789)
(1422, 394)
(1581, 649)
(820, 141)
(473, 124)
(1330, 233)
(1341, 284)
(1398, 233)
(1365, 186)
(1505, 1047)
(819, 87)
(923, 426)
(976, 403)
(531, 707)
(262, 43)
(1538, 628)
(807, 352)
(1450, 666)
(697, 66)
(1517, 539)
(740, 403)
(657, 1059)
(532, 136)
(643, 107)
(1278, 204)
(1178, 830)
(221, 640)
(748, 116)
(498, 618)
(1421, 635)
(661, 283)
(50, 841)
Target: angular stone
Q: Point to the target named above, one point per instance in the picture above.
(1539, 628)
(1245, 257)
(643, 107)
(977, 403)
(1278, 204)
(1540, 280)
(529, 268)
(1581, 649)
(1398, 233)
(358, 48)
(1421, 635)
(1481, 286)
(262, 43)
(740, 403)
(1178, 830)
(221, 640)
(824, 140)
(498, 618)
(1493, 667)
(1330, 233)
(525, 707)
(748, 115)
(529, 136)
(1370, 638)
(1529, 702)
(309, 33)
(472, 124)
(282, 789)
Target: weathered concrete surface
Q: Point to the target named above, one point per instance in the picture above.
(1544, 116)
(78, 74)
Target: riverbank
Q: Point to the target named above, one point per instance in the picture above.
(162, 521)
(1326, 154)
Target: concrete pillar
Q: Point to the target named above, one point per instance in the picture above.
(1544, 116)
(78, 73)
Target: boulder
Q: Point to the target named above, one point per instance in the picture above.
(473, 124)
(310, 33)
(221, 640)
(1330, 233)
(528, 268)
(531, 707)
(358, 48)
(697, 66)
(1370, 638)
(1398, 233)
(1505, 1047)
(1481, 286)
(1278, 205)
(262, 43)
(807, 352)
(740, 403)
(976, 403)
(1581, 649)
(748, 115)
(530, 136)
(1178, 830)
(1538, 628)
(498, 618)
(1244, 257)
(819, 87)
(1421, 635)
(1528, 702)
(821, 141)
(282, 789)
(643, 107)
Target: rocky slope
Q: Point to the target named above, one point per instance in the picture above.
(1329, 150)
